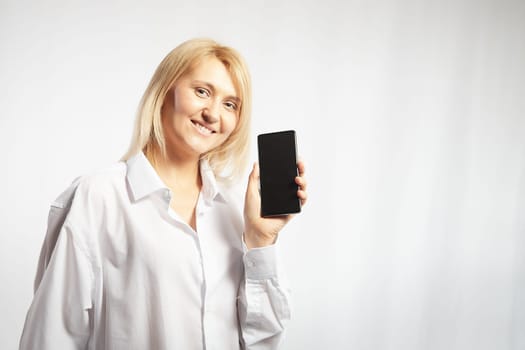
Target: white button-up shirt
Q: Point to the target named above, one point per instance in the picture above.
(120, 270)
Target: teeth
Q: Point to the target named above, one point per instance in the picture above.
(202, 128)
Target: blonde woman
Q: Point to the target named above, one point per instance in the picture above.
(156, 252)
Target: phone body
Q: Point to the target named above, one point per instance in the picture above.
(277, 171)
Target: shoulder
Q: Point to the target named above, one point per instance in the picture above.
(79, 208)
(103, 180)
(93, 186)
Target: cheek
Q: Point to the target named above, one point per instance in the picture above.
(230, 123)
(186, 104)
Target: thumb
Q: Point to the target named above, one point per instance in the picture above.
(253, 181)
(252, 192)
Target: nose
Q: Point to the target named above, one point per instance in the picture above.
(211, 113)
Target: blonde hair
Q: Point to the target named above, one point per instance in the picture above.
(227, 160)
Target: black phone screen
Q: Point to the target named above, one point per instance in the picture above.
(278, 169)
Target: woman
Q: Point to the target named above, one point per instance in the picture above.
(154, 252)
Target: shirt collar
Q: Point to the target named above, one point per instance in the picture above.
(210, 187)
(144, 180)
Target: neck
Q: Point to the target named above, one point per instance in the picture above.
(177, 172)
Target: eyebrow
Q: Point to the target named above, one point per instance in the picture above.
(212, 87)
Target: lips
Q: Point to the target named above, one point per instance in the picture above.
(202, 128)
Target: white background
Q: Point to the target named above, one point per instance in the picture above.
(409, 114)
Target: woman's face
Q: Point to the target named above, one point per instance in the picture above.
(201, 110)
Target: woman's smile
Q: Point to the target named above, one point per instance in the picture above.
(201, 111)
(202, 129)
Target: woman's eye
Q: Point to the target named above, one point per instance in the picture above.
(202, 92)
(231, 105)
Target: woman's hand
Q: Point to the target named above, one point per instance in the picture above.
(260, 231)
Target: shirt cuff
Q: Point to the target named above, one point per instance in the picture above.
(261, 263)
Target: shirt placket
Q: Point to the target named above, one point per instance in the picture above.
(199, 214)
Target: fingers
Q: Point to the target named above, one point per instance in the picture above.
(301, 182)
(302, 195)
(300, 167)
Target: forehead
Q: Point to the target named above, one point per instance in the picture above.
(212, 71)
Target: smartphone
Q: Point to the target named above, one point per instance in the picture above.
(277, 170)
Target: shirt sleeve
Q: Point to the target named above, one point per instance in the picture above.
(264, 302)
(59, 316)
(57, 215)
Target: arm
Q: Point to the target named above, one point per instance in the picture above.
(264, 306)
(57, 215)
(59, 314)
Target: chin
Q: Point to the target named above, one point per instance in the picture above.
(201, 149)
